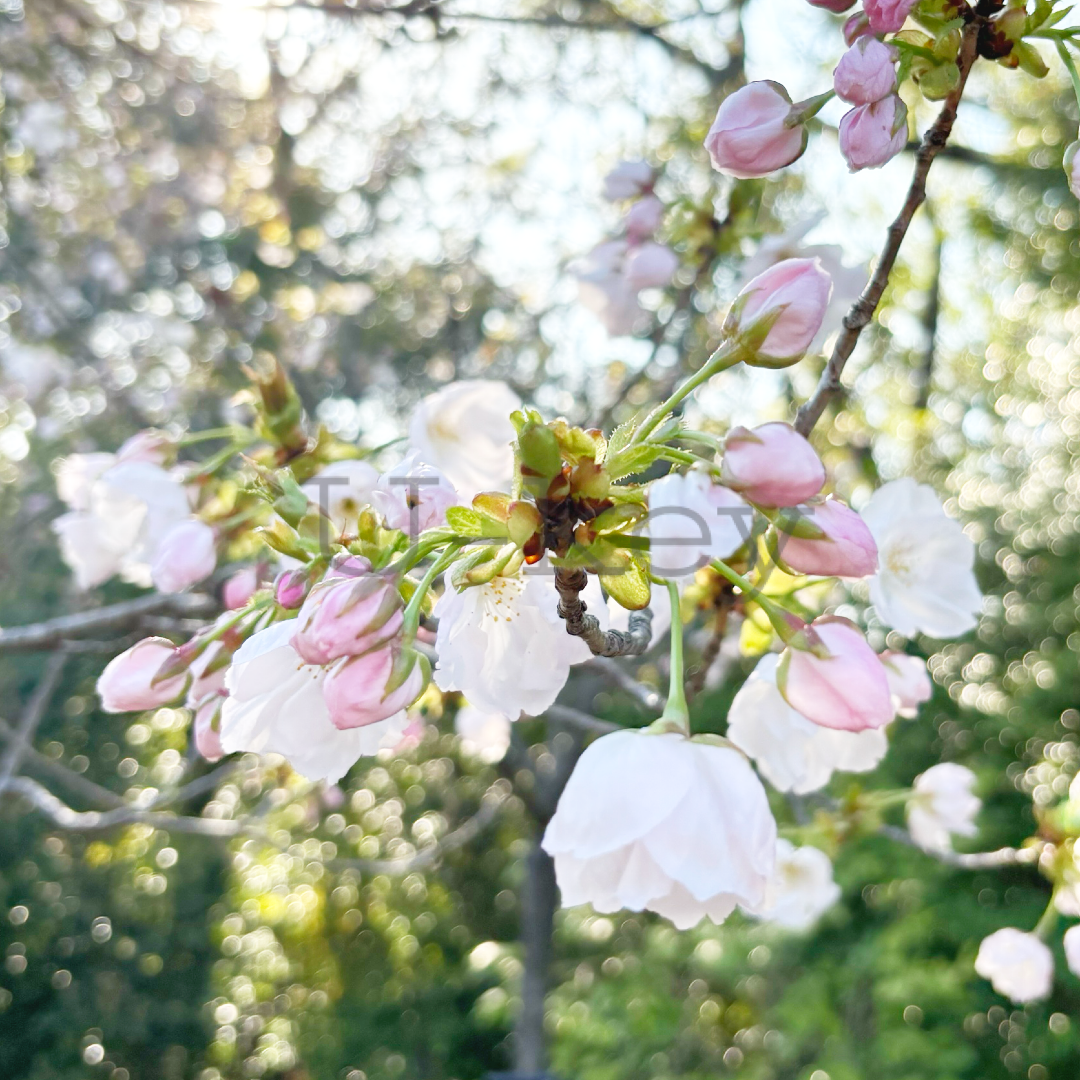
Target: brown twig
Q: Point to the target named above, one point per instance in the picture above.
(569, 583)
(858, 318)
(33, 714)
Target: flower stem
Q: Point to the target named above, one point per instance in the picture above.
(1047, 921)
(727, 355)
(1070, 66)
(416, 601)
(676, 712)
(778, 616)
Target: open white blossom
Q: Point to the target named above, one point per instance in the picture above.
(485, 735)
(275, 706)
(464, 431)
(1018, 964)
(942, 806)
(801, 889)
(121, 510)
(925, 582)
(1071, 944)
(691, 521)
(663, 823)
(793, 753)
(503, 644)
(341, 490)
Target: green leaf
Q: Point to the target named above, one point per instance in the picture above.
(616, 518)
(621, 436)
(635, 459)
(464, 521)
(630, 586)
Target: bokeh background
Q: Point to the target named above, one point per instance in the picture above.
(387, 199)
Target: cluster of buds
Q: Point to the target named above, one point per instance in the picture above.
(612, 275)
(759, 130)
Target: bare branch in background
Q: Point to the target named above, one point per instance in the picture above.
(624, 680)
(33, 714)
(592, 724)
(858, 318)
(53, 632)
(979, 860)
(930, 325)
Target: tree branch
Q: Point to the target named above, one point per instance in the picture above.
(856, 320)
(33, 714)
(979, 860)
(569, 584)
(592, 724)
(53, 632)
(615, 674)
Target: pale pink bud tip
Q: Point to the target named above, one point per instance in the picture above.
(847, 689)
(791, 298)
(773, 465)
(127, 683)
(345, 616)
(651, 266)
(290, 588)
(362, 690)
(186, 555)
(866, 72)
(643, 218)
(751, 136)
(240, 588)
(887, 16)
(846, 550)
(627, 180)
(871, 135)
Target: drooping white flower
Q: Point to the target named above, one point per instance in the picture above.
(1018, 964)
(1071, 943)
(925, 581)
(341, 490)
(793, 753)
(663, 823)
(691, 521)
(275, 706)
(801, 889)
(942, 806)
(485, 735)
(120, 512)
(503, 644)
(464, 431)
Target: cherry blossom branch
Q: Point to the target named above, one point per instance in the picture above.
(858, 318)
(53, 632)
(569, 583)
(979, 860)
(583, 720)
(33, 714)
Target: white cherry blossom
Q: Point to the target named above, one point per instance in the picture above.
(464, 431)
(942, 806)
(801, 889)
(793, 753)
(925, 582)
(1018, 964)
(485, 735)
(663, 823)
(1071, 943)
(275, 706)
(120, 512)
(503, 644)
(691, 521)
(341, 490)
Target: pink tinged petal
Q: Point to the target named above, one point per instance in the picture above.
(847, 690)
(127, 683)
(749, 138)
(846, 550)
(773, 465)
(866, 72)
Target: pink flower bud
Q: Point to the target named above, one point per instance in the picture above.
(240, 588)
(347, 616)
(146, 446)
(187, 554)
(361, 690)
(127, 683)
(651, 266)
(846, 550)
(628, 180)
(790, 299)
(870, 135)
(845, 688)
(751, 135)
(866, 72)
(887, 16)
(290, 588)
(856, 27)
(205, 728)
(643, 218)
(909, 683)
(773, 465)
(1072, 167)
(837, 7)
(413, 496)
(350, 566)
